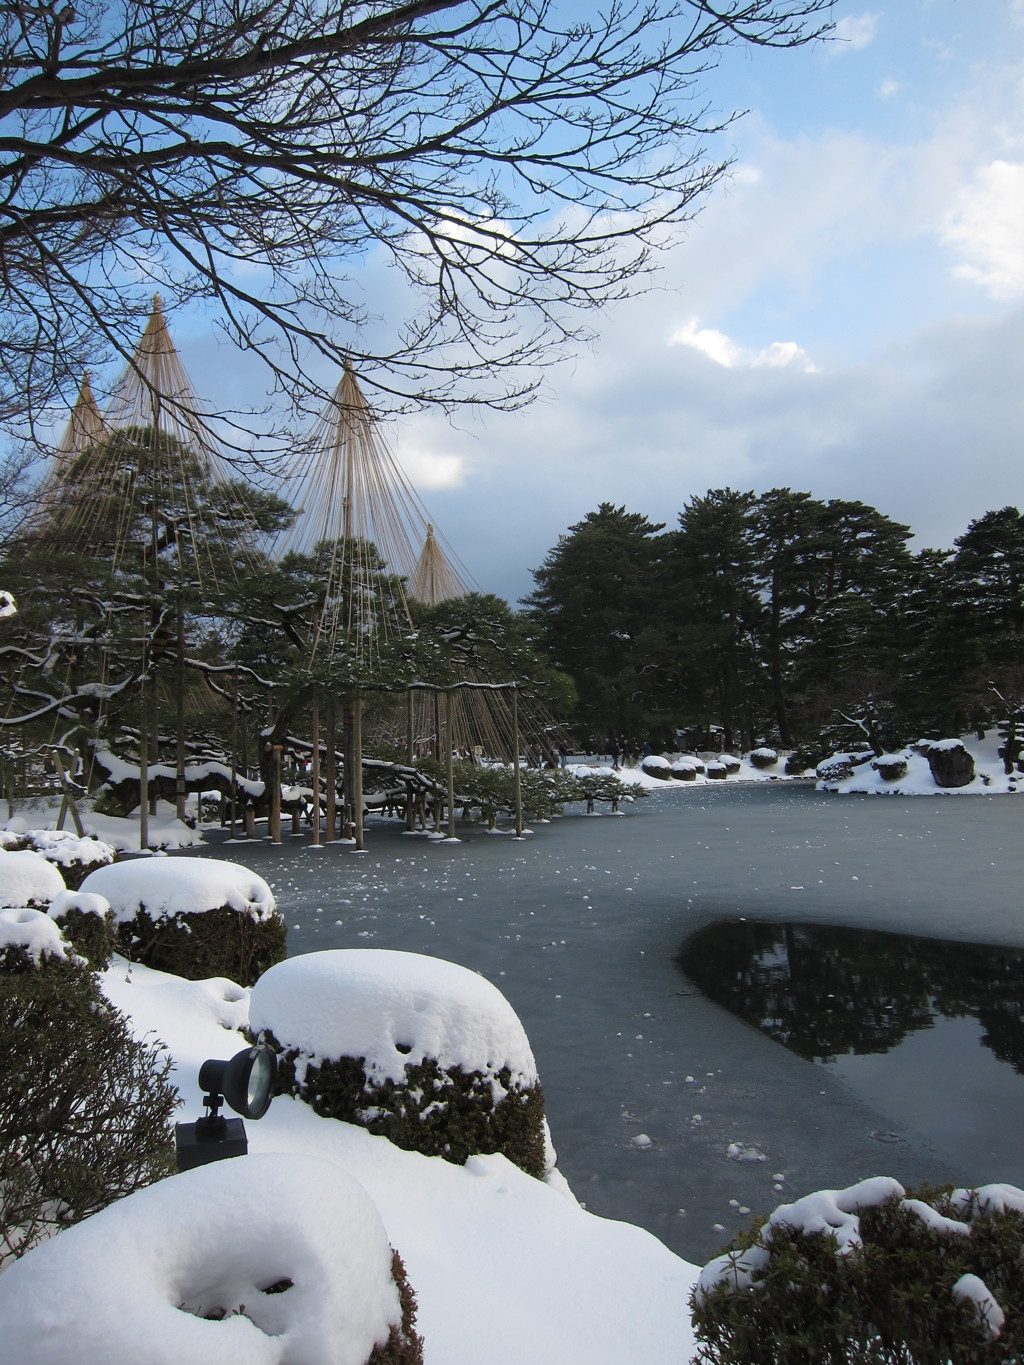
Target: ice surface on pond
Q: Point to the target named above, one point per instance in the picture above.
(180, 886)
(394, 1009)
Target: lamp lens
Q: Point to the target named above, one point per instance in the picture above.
(261, 1078)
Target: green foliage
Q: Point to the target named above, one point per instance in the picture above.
(403, 1346)
(220, 942)
(85, 1108)
(92, 936)
(886, 1302)
(449, 1113)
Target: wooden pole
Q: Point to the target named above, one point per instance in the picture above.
(517, 779)
(314, 771)
(234, 756)
(451, 763)
(275, 793)
(331, 798)
(179, 739)
(357, 776)
(348, 722)
(410, 727)
(69, 799)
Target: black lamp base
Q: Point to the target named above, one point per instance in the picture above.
(195, 1145)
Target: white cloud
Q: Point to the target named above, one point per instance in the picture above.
(986, 227)
(431, 469)
(855, 31)
(888, 88)
(727, 353)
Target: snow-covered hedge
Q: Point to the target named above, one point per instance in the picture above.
(75, 857)
(196, 917)
(421, 1051)
(87, 921)
(871, 1275)
(264, 1261)
(764, 757)
(84, 1106)
(26, 878)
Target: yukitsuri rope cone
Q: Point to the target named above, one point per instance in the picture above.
(380, 552)
(149, 457)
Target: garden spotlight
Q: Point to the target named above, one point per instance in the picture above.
(245, 1083)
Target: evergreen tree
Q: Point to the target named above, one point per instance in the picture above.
(598, 605)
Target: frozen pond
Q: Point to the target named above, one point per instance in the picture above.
(581, 927)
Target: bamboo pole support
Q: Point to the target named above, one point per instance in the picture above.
(314, 770)
(517, 778)
(357, 776)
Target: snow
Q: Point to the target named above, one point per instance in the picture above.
(989, 777)
(60, 846)
(119, 832)
(135, 1281)
(27, 878)
(505, 1268)
(32, 930)
(395, 1009)
(85, 901)
(977, 1291)
(182, 886)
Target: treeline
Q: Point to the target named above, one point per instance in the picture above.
(783, 618)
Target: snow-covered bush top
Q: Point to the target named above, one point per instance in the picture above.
(85, 901)
(34, 931)
(890, 760)
(395, 1009)
(770, 755)
(656, 761)
(687, 765)
(834, 1211)
(61, 846)
(165, 887)
(945, 744)
(137, 1281)
(27, 878)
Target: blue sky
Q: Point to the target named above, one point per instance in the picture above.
(844, 317)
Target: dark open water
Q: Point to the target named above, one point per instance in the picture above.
(581, 927)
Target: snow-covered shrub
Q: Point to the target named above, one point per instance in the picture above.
(716, 770)
(26, 878)
(686, 769)
(87, 922)
(75, 857)
(420, 1051)
(84, 1106)
(873, 1276)
(836, 768)
(195, 917)
(601, 784)
(764, 757)
(656, 766)
(731, 762)
(262, 1261)
(890, 767)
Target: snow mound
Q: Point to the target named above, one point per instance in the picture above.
(33, 931)
(26, 878)
(395, 1009)
(145, 1278)
(86, 902)
(166, 887)
(62, 847)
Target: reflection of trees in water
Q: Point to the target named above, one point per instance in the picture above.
(824, 991)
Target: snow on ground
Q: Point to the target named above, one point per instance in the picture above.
(165, 829)
(506, 1269)
(989, 776)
